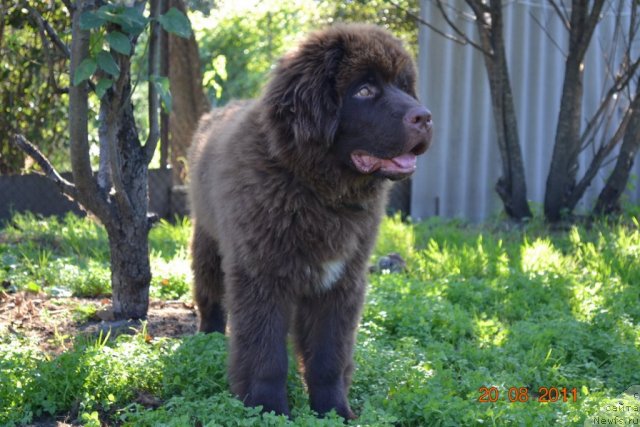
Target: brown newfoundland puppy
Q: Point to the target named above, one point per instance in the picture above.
(287, 193)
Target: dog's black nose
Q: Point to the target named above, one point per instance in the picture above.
(418, 118)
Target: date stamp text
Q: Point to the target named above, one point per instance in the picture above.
(523, 394)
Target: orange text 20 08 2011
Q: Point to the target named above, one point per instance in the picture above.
(491, 394)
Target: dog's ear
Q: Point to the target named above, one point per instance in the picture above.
(302, 93)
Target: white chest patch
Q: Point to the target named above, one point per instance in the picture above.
(331, 272)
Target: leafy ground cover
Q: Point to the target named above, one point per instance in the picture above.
(488, 325)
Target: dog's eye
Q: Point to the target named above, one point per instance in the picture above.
(366, 91)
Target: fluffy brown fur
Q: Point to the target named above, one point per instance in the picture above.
(287, 193)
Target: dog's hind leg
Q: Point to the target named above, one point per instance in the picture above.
(209, 281)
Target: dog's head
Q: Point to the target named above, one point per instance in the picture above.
(349, 91)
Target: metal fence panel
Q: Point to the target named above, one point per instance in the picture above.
(38, 194)
(456, 177)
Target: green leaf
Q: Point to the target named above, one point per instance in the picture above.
(175, 22)
(161, 84)
(89, 21)
(102, 87)
(133, 21)
(119, 42)
(130, 19)
(33, 287)
(96, 42)
(110, 13)
(220, 66)
(85, 70)
(107, 63)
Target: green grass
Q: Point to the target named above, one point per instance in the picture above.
(71, 256)
(477, 307)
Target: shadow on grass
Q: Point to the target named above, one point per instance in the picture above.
(523, 310)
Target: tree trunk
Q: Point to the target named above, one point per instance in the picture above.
(561, 180)
(188, 97)
(128, 234)
(564, 162)
(130, 270)
(609, 198)
(511, 187)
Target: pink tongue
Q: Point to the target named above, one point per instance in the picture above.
(405, 161)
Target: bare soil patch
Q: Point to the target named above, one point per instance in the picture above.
(54, 323)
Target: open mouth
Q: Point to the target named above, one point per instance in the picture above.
(403, 164)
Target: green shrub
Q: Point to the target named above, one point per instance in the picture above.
(93, 376)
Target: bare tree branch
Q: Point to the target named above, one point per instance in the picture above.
(549, 36)
(562, 14)
(46, 47)
(620, 83)
(609, 198)
(594, 16)
(583, 37)
(623, 80)
(46, 27)
(154, 63)
(634, 28)
(461, 33)
(600, 156)
(617, 40)
(50, 172)
(47, 33)
(433, 28)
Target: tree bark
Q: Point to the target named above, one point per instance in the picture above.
(188, 97)
(609, 198)
(130, 270)
(564, 162)
(561, 180)
(128, 232)
(511, 186)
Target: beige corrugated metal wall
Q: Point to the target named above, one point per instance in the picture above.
(456, 177)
